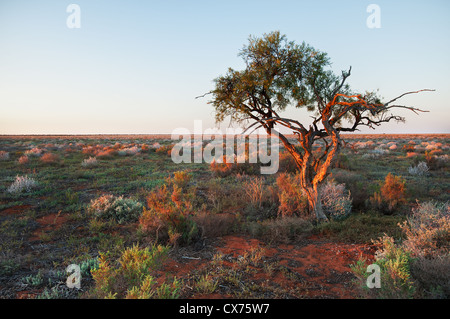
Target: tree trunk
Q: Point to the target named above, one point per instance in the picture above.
(315, 204)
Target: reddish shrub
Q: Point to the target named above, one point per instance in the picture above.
(391, 195)
(49, 158)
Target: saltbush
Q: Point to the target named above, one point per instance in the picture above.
(336, 201)
(89, 162)
(119, 209)
(428, 230)
(420, 170)
(22, 183)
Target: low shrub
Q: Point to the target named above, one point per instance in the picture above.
(215, 225)
(4, 156)
(418, 265)
(164, 149)
(49, 158)
(224, 168)
(89, 162)
(336, 204)
(169, 215)
(23, 160)
(420, 170)
(428, 230)
(431, 276)
(34, 152)
(395, 273)
(391, 195)
(293, 201)
(356, 184)
(131, 277)
(22, 183)
(118, 209)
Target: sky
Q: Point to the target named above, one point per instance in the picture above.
(136, 67)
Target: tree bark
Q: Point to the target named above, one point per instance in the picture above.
(315, 203)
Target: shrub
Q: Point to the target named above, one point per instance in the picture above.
(23, 160)
(355, 183)
(435, 162)
(293, 201)
(225, 194)
(224, 168)
(34, 152)
(287, 163)
(164, 149)
(419, 265)
(131, 276)
(215, 225)
(431, 276)
(428, 230)
(49, 158)
(89, 162)
(169, 215)
(119, 209)
(4, 156)
(419, 170)
(395, 273)
(180, 179)
(22, 183)
(408, 148)
(391, 195)
(106, 153)
(129, 151)
(335, 203)
(393, 147)
(254, 191)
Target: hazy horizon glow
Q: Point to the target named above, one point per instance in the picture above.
(136, 68)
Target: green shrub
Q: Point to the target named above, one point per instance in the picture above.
(131, 275)
(119, 209)
(395, 275)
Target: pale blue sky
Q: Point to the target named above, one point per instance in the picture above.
(137, 66)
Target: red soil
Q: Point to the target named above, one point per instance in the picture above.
(322, 269)
(15, 210)
(48, 222)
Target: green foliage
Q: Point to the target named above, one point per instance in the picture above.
(119, 209)
(361, 228)
(131, 275)
(274, 67)
(34, 280)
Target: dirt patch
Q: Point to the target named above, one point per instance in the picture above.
(48, 223)
(311, 269)
(15, 210)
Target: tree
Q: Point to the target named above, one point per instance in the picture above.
(280, 73)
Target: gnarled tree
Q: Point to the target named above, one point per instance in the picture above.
(279, 74)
